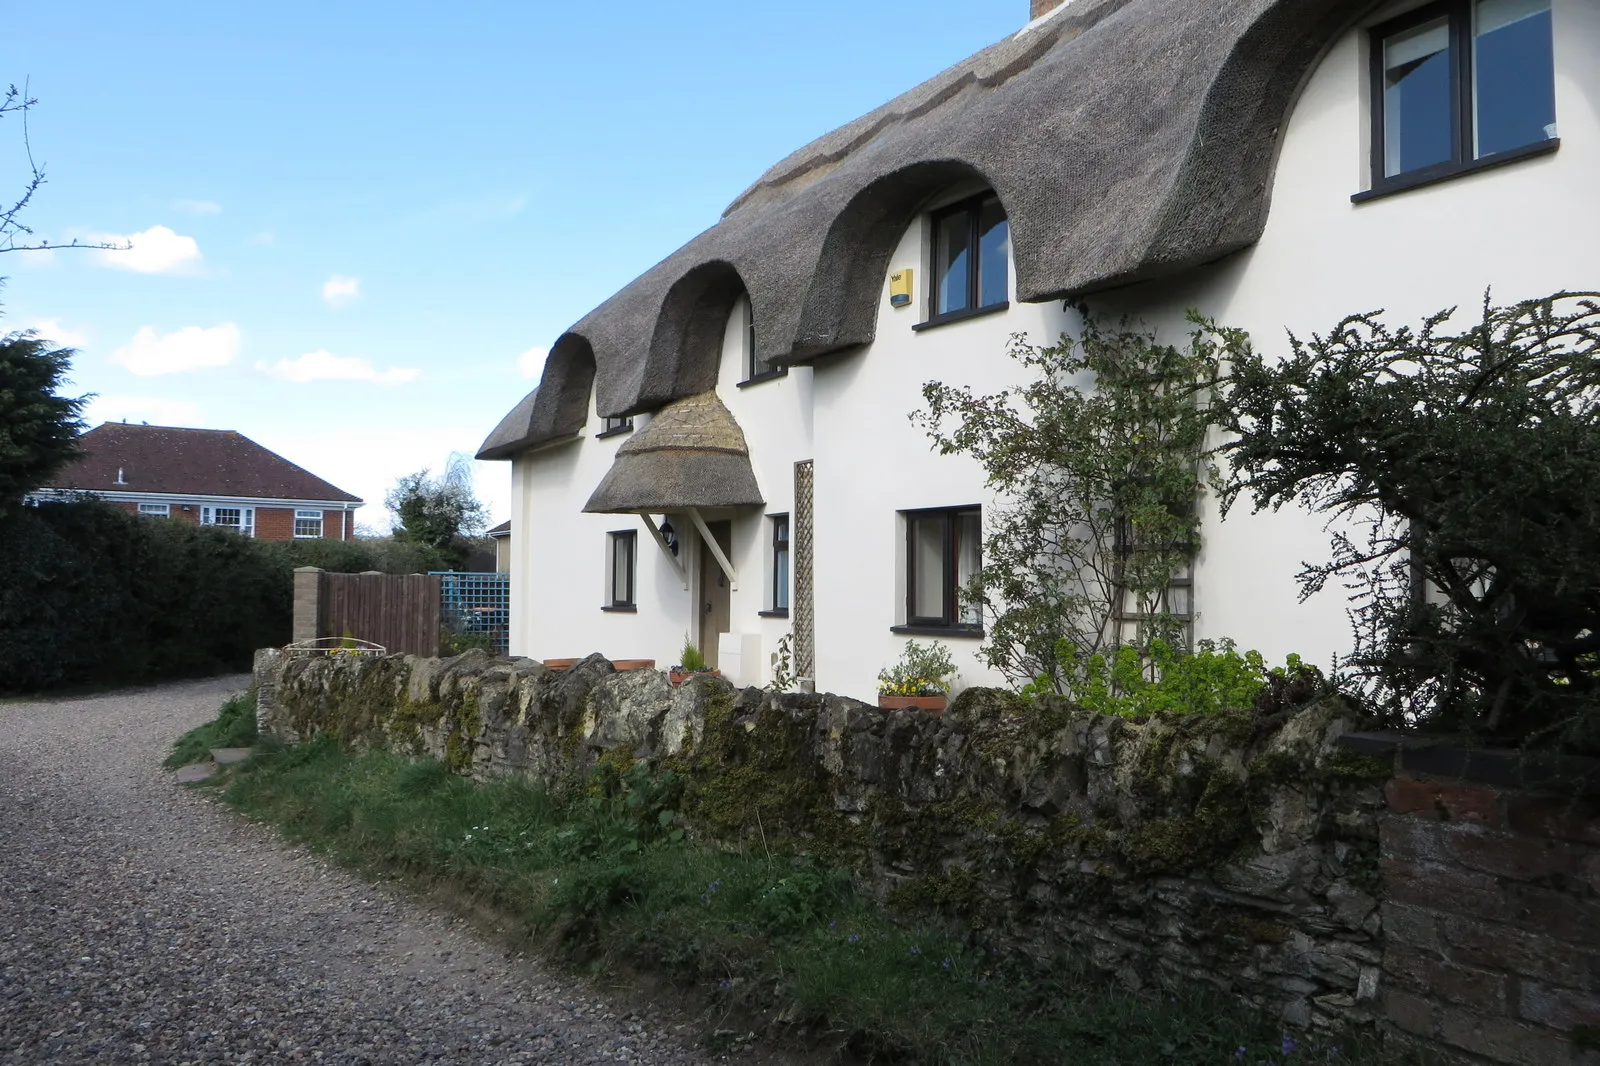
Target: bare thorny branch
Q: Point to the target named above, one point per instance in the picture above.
(14, 233)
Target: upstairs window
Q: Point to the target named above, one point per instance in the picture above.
(1460, 85)
(755, 368)
(612, 426)
(308, 524)
(971, 253)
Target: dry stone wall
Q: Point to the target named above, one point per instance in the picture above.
(1240, 849)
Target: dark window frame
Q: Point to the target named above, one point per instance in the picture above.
(631, 538)
(950, 621)
(784, 545)
(611, 427)
(753, 376)
(972, 207)
(1459, 14)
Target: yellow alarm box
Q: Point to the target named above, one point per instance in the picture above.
(900, 288)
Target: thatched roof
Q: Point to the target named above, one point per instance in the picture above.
(1127, 139)
(691, 454)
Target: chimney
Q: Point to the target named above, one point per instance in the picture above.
(1039, 8)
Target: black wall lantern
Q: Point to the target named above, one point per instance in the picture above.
(669, 535)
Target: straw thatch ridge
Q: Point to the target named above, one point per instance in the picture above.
(691, 454)
(1127, 139)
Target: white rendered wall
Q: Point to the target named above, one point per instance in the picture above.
(1526, 229)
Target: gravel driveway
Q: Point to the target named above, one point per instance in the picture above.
(140, 922)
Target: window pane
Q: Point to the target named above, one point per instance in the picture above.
(1513, 91)
(757, 367)
(621, 568)
(969, 546)
(780, 581)
(927, 566)
(994, 248)
(1417, 110)
(951, 262)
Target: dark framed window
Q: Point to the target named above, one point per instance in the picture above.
(780, 563)
(943, 552)
(623, 547)
(612, 426)
(971, 259)
(1458, 86)
(755, 368)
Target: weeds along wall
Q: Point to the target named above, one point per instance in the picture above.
(1236, 849)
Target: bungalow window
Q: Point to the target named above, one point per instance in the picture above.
(239, 519)
(942, 555)
(155, 510)
(308, 523)
(971, 246)
(1460, 85)
(612, 426)
(622, 555)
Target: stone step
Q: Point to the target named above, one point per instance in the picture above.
(195, 773)
(229, 756)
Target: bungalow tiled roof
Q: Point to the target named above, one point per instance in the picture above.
(165, 460)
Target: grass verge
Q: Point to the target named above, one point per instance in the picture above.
(605, 879)
(233, 727)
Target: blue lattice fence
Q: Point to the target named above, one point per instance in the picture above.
(477, 605)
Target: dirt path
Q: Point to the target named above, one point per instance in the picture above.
(142, 923)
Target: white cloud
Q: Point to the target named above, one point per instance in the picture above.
(340, 291)
(323, 365)
(157, 250)
(198, 207)
(157, 410)
(190, 348)
(52, 330)
(530, 364)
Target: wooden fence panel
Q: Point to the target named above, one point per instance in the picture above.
(399, 611)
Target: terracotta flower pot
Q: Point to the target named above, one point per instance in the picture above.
(931, 704)
(561, 664)
(633, 664)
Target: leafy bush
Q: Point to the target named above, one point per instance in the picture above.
(1461, 475)
(96, 596)
(1214, 678)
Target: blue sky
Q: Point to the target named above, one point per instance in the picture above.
(352, 222)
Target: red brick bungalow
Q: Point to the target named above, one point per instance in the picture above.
(206, 476)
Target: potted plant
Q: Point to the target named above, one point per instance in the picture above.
(920, 679)
(690, 662)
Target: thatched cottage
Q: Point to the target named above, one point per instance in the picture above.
(721, 450)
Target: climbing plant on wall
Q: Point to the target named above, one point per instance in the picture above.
(1098, 461)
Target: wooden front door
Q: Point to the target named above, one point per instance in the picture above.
(716, 603)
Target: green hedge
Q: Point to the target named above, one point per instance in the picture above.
(95, 596)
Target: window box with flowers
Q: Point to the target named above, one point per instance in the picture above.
(921, 679)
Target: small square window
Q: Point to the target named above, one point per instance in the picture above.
(156, 510)
(1458, 85)
(612, 426)
(943, 552)
(622, 555)
(308, 523)
(971, 257)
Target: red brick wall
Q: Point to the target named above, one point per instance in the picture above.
(272, 523)
(1492, 921)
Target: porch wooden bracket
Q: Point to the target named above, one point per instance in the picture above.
(716, 549)
(677, 563)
